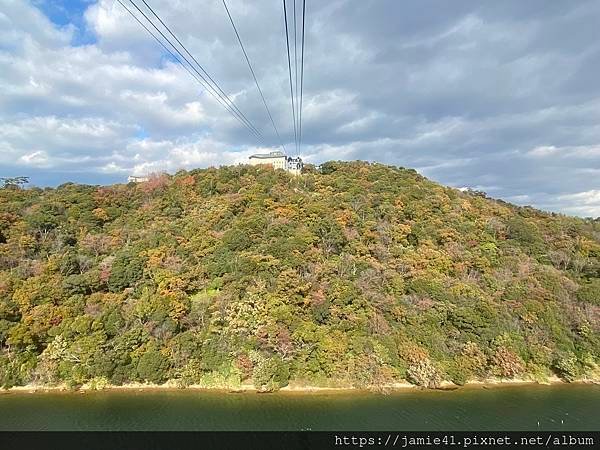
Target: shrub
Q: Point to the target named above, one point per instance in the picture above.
(506, 364)
(590, 292)
(470, 363)
(189, 374)
(69, 265)
(457, 372)
(244, 364)
(153, 367)
(98, 383)
(566, 366)
(523, 231)
(76, 284)
(270, 374)
(125, 271)
(474, 359)
(424, 373)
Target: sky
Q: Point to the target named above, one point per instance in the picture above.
(502, 97)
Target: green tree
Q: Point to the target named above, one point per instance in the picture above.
(153, 366)
(126, 269)
(270, 373)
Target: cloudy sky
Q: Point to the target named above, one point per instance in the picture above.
(498, 96)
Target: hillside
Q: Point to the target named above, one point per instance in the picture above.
(361, 274)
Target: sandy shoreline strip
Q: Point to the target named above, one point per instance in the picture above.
(295, 388)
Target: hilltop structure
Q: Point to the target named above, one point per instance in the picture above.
(278, 160)
(134, 179)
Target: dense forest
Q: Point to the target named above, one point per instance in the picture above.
(351, 274)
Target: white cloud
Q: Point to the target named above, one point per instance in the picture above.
(39, 158)
(580, 152)
(589, 197)
(582, 203)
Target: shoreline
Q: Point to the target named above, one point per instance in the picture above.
(297, 388)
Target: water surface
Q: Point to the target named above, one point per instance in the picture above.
(574, 407)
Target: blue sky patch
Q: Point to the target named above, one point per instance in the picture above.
(69, 12)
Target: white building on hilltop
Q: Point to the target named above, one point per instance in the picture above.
(134, 179)
(278, 160)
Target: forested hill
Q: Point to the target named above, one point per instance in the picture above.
(358, 274)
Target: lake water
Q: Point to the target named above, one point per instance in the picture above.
(575, 407)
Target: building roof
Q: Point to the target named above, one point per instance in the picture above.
(269, 155)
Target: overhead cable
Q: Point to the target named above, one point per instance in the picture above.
(253, 74)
